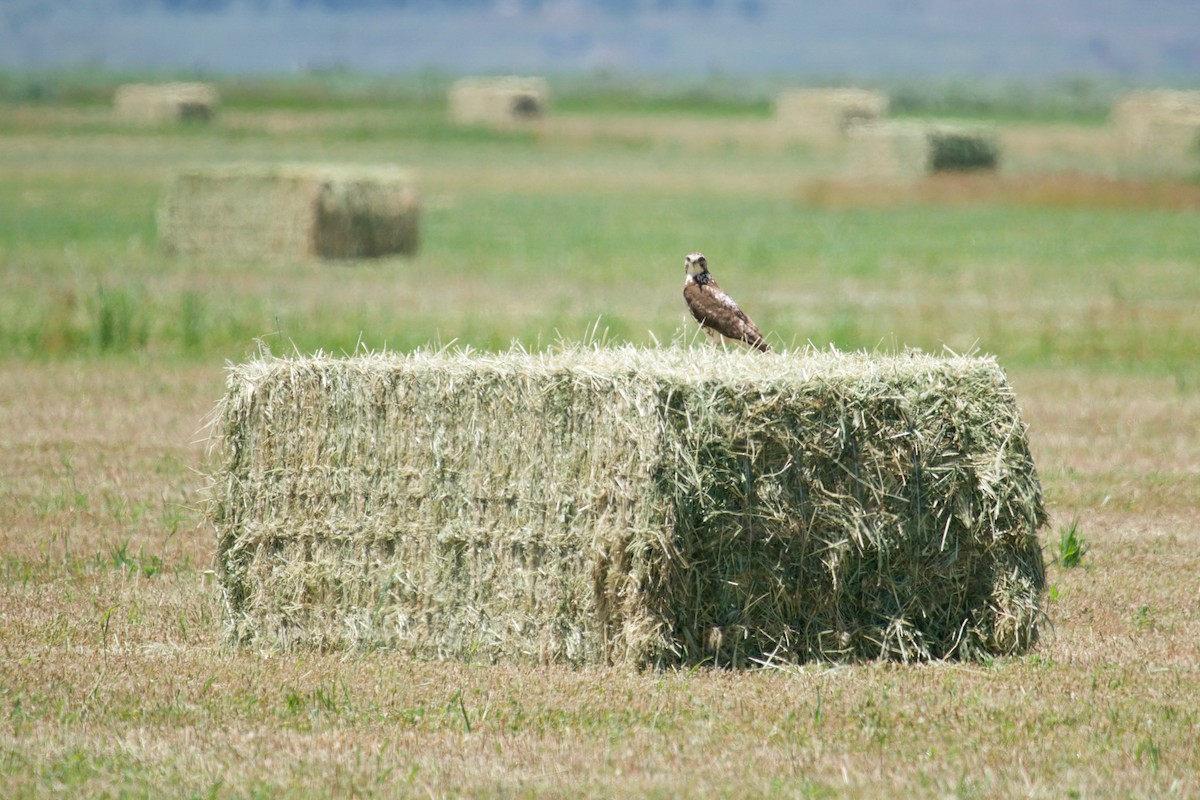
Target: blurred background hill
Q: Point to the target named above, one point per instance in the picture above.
(1146, 42)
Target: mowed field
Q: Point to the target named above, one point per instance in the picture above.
(1082, 277)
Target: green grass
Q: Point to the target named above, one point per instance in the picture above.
(1108, 289)
(1071, 546)
(1078, 98)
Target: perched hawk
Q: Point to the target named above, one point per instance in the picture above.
(719, 317)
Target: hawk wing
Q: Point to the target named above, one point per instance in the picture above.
(717, 312)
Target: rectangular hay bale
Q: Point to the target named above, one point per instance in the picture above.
(826, 116)
(1159, 130)
(162, 103)
(626, 506)
(500, 102)
(908, 150)
(296, 211)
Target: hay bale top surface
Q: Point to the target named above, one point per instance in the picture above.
(674, 364)
(857, 372)
(178, 91)
(298, 171)
(514, 83)
(1165, 99)
(845, 96)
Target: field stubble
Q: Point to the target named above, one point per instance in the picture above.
(113, 677)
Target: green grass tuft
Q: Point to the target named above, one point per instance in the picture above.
(1071, 547)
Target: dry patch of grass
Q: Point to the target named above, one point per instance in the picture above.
(113, 678)
(1050, 190)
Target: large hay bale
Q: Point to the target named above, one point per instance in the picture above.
(498, 102)
(1159, 131)
(902, 150)
(161, 103)
(826, 116)
(259, 211)
(640, 507)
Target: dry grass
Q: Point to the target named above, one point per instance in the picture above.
(1052, 190)
(114, 680)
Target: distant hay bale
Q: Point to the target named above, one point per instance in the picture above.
(826, 116)
(163, 103)
(636, 507)
(912, 149)
(1159, 130)
(300, 211)
(498, 102)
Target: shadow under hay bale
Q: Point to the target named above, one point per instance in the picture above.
(253, 212)
(498, 102)
(636, 507)
(158, 104)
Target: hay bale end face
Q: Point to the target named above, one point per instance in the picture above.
(962, 150)
(504, 102)
(1159, 130)
(159, 104)
(637, 507)
(267, 212)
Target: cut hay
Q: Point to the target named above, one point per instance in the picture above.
(909, 150)
(1159, 131)
(265, 212)
(826, 116)
(635, 507)
(498, 102)
(163, 103)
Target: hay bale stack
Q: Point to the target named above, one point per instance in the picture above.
(296, 212)
(905, 150)
(166, 103)
(1159, 130)
(826, 116)
(503, 102)
(637, 507)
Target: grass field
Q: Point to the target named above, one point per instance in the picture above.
(114, 679)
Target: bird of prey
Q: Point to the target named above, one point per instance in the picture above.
(719, 317)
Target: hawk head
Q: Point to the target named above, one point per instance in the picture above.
(695, 264)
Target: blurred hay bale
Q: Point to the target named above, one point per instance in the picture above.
(1159, 130)
(501, 102)
(258, 211)
(638, 507)
(163, 103)
(887, 151)
(826, 116)
(906, 150)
